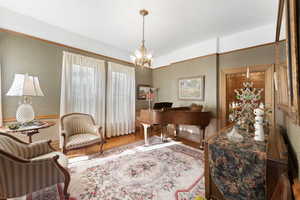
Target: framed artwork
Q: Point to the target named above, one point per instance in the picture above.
(142, 91)
(191, 88)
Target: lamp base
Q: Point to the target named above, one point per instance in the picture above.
(25, 113)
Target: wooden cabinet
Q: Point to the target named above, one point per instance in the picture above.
(276, 168)
(282, 87)
(288, 23)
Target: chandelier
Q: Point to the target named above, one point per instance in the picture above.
(141, 56)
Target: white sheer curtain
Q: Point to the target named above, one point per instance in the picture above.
(120, 100)
(83, 86)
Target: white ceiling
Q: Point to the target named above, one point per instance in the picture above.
(172, 24)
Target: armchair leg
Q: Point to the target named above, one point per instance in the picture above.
(67, 182)
(101, 147)
(64, 150)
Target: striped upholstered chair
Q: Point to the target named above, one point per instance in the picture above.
(79, 130)
(26, 168)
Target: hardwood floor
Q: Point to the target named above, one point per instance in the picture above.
(116, 142)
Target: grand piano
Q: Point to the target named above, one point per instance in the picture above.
(177, 116)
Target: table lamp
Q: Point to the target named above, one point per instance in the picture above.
(25, 86)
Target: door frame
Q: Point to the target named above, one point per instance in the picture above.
(269, 88)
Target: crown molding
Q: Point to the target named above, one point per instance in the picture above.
(37, 29)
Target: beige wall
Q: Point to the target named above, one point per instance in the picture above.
(20, 54)
(143, 76)
(253, 56)
(166, 79)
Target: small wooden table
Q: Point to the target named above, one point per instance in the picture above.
(28, 130)
(273, 154)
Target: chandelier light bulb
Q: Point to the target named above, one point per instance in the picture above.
(138, 54)
(133, 58)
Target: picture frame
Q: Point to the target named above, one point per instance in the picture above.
(191, 88)
(142, 91)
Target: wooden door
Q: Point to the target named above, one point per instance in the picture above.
(231, 79)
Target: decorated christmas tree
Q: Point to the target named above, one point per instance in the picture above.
(248, 98)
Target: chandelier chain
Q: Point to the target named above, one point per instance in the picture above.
(143, 41)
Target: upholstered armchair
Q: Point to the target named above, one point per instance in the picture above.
(79, 130)
(26, 168)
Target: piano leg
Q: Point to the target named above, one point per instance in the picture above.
(162, 133)
(202, 137)
(176, 131)
(146, 126)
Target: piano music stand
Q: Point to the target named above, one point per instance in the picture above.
(160, 105)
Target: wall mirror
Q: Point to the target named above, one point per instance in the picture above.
(287, 54)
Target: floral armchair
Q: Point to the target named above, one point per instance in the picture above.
(26, 168)
(79, 130)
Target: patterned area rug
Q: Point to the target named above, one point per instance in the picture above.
(133, 172)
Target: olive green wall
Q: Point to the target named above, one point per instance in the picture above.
(20, 54)
(253, 56)
(166, 79)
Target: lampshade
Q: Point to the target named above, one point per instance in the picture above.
(25, 85)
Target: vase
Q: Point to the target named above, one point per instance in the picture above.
(234, 135)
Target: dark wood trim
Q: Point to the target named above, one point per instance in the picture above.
(247, 48)
(278, 95)
(279, 19)
(164, 66)
(190, 59)
(13, 119)
(64, 150)
(222, 87)
(218, 54)
(292, 110)
(107, 58)
(206, 169)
